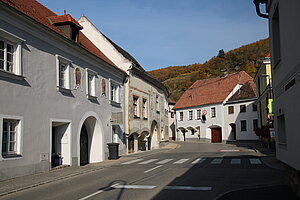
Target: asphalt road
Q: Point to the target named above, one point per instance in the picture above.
(193, 171)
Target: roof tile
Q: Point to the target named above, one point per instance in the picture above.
(41, 14)
(210, 91)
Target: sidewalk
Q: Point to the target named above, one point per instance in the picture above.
(30, 181)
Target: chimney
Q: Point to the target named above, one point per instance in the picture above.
(67, 24)
(223, 73)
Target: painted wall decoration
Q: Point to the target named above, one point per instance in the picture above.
(103, 86)
(78, 78)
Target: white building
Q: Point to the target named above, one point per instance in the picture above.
(60, 96)
(284, 30)
(218, 109)
(146, 105)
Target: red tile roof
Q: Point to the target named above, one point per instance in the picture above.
(247, 91)
(210, 91)
(41, 14)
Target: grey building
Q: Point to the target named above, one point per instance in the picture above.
(62, 100)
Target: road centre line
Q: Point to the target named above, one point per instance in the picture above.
(188, 188)
(152, 169)
(145, 187)
(98, 192)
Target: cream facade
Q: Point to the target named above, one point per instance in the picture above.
(146, 106)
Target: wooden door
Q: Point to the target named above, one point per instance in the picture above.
(84, 154)
(216, 135)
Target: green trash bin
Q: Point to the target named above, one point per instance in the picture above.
(113, 149)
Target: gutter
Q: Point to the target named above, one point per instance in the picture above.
(258, 12)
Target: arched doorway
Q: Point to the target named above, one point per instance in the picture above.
(216, 135)
(84, 146)
(154, 136)
(131, 144)
(90, 139)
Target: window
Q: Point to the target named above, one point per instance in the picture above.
(190, 115)
(91, 83)
(243, 108)
(213, 112)
(63, 73)
(145, 109)
(157, 104)
(114, 92)
(230, 109)
(10, 137)
(136, 106)
(254, 107)
(255, 124)
(181, 116)
(281, 130)
(275, 28)
(172, 114)
(198, 114)
(243, 125)
(6, 56)
(10, 54)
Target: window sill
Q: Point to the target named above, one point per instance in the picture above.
(64, 90)
(90, 97)
(12, 156)
(116, 104)
(11, 75)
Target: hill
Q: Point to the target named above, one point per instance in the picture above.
(245, 58)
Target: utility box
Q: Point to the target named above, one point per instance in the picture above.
(113, 149)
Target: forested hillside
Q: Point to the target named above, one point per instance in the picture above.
(246, 58)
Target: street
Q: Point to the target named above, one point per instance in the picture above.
(191, 171)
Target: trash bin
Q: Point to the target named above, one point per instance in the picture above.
(113, 149)
(143, 145)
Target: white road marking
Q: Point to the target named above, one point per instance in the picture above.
(148, 161)
(131, 161)
(153, 169)
(164, 161)
(235, 161)
(199, 161)
(217, 161)
(229, 150)
(145, 187)
(181, 161)
(98, 192)
(188, 188)
(255, 161)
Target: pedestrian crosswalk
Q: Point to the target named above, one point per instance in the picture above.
(197, 161)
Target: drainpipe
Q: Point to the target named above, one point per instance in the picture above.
(257, 2)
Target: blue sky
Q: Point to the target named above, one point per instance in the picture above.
(161, 33)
